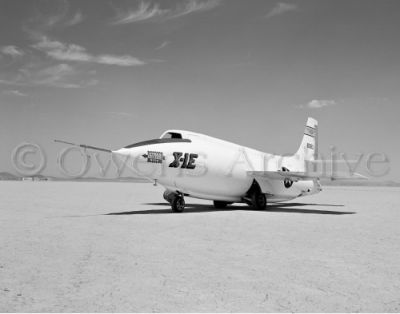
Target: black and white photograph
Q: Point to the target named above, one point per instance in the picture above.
(201, 156)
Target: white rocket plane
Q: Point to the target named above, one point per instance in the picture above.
(200, 166)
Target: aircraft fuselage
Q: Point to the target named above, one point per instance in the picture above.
(204, 167)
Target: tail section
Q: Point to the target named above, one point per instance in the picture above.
(308, 149)
(305, 165)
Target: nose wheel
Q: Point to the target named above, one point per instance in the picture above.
(178, 204)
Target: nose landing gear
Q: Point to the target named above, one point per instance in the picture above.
(178, 204)
(176, 200)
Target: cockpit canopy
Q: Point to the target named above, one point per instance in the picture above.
(169, 134)
(166, 137)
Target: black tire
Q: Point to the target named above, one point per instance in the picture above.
(220, 204)
(178, 204)
(259, 201)
(169, 196)
(165, 195)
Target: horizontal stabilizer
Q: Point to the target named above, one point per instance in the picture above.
(299, 176)
(85, 146)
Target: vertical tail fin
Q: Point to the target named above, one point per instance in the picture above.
(308, 149)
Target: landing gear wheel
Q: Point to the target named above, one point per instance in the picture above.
(165, 195)
(259, 201)
(220, 204)
(169, 196)
(178, 204)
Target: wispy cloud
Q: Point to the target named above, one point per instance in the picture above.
(281, 8)
(163, 45)
(12, 51)
(53, 63)
(75, 19)
(58, 14)
(318, 104)
(14, 92)
(124, 60)
(146, 11)
(193, 6)
(57, 75)
(71, 52)
(39, 74)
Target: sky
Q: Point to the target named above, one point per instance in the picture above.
(111, 73)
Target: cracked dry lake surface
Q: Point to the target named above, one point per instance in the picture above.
(116, 247)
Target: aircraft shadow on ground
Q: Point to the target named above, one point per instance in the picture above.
(204, 208)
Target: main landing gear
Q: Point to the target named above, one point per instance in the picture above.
(259, 201)
(255, 197)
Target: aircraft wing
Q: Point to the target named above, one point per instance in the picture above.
(299, 176)
(85, 146)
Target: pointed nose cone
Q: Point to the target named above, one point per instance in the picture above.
(139, 162)
(135, 152)
(120, 152)
(129, 155)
